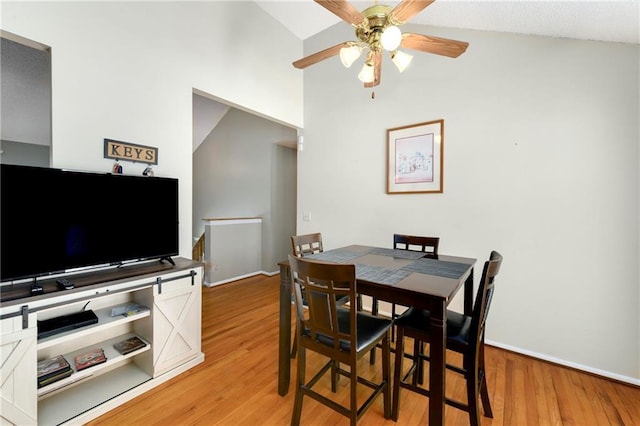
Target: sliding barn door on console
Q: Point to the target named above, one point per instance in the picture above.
(176, 318)
(18, 372)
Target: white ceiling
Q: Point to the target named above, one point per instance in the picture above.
(615, 21)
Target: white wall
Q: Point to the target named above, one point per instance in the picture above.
(127, 71)
(206, 116)
(541, 161)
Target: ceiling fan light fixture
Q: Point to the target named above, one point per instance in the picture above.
(367, 73)
(391, 38)
(401, 60)
(348, 55)
(377, 28)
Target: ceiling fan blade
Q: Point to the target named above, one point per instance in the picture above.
(431, 44)
(377, 66)
(407, 9)
(344, 10)
(319, 56)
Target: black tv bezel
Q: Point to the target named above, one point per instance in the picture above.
(65, 269)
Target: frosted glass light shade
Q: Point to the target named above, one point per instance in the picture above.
(391, 38)
(348, 55)
(401, 60)
(367, 74)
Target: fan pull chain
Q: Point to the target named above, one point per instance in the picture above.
(373, 94)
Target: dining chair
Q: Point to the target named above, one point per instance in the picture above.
(465, 335)
(342, 334)
(304, 245)
(427, 245)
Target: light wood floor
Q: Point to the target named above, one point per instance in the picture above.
(237, 383)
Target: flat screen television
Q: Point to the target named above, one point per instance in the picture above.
(54, 221)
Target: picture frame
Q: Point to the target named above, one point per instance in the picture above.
(415, 158)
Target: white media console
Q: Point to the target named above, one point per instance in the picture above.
(171, 327)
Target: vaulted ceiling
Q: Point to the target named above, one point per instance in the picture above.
(615, 21)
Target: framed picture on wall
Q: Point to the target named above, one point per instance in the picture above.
(415, 158)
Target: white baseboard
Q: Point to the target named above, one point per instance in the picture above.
(554, 360)
(228, 280)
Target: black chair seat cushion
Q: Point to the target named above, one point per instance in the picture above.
(370, 330)
(458, 325)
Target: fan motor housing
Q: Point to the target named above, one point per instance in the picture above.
(377, 20)
(377, 16)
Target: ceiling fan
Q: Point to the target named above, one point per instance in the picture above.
(377, 29)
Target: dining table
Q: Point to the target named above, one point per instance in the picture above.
(404, 277)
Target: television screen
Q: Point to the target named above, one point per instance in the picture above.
(55, 220)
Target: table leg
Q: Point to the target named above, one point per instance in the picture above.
(437, 353)
(284, 331)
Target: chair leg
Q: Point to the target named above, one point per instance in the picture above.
(397, 375)
(374, 311)
(484, 391)
(417, 376)
(297, 405)
(353, 413)
(294, 347)
(472, 395)
(484, 395)
(420, 363)
(335, 376)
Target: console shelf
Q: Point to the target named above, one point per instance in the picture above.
(113, 357)
(170, 326)
(105, 321)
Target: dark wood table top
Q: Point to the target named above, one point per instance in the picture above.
(398, 275)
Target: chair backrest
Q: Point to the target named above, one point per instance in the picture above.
(303, 245)
(416, 243)
(323, 284)
(483, 297)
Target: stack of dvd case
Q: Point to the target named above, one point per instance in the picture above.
(51, 370)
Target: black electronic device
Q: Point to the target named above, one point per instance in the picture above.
(63, 323)
(107, 220)
(65, 283)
